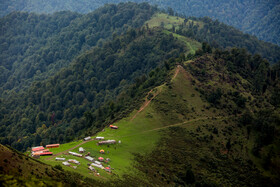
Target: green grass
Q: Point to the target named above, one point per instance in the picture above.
(137, 136)
(167, 20)
(141, 134)
(192, 45)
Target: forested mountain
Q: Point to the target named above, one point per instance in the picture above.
(37, 47)
(96, 77)
(196, 101)
(34, 47)
(259, 18)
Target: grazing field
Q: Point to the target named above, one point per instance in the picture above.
(140, 131)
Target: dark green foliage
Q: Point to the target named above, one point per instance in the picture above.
(59, 167)
(223, 36)
(178, 160)
(35, 47)
(81, 96)
(260, 18)
(215, 96)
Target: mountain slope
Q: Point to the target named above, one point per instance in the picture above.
(259, 18)
(35, 47)
(216, 34)
(60, 103)
(18, 169)
(185, 133)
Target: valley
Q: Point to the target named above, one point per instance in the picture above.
(185, 101)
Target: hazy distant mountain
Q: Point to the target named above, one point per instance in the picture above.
(257, 17)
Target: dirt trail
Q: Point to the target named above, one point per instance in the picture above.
(147, 102)
(177, 71)
(173, 125)
(66, 151)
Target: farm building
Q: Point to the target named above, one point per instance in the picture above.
(108, 169)
(96, 162)
(114, 127)
(106, 142)
(39, 148)
(41, 153)
(66, 163)
(74, 161)
(99, 138)
(81, 150)
(91, 168)
(75, 154)
(108, 159)
(52, 146)
(89, 158)
(59, 159)
(101, 159)
(102, 151)
(87, 138)
(46, 153)
(97, 165)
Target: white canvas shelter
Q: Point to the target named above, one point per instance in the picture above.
(89, 158)
(97, 165)
(107, 142)
(99, 138)
(66, 163)
(75, 154)
(97, 162)
(81, 150)
(87, 138)
(59, 159)
(74, 161)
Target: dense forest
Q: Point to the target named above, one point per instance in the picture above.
(53, 109)
(223, 36)
(37, 47)
(259, 18)
(34, 47)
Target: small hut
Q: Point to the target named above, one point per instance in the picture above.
(81, 150)
(101, 159)
(102, 151)
(66, 163)
(87, 138)
(59, 159)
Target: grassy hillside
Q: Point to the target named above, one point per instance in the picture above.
(182, 135)
(215, 33)
(17, 169)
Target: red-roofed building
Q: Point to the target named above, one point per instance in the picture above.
(101, 159)
(114, 127)
(52, 146)
(40, 148)
(46, 153)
